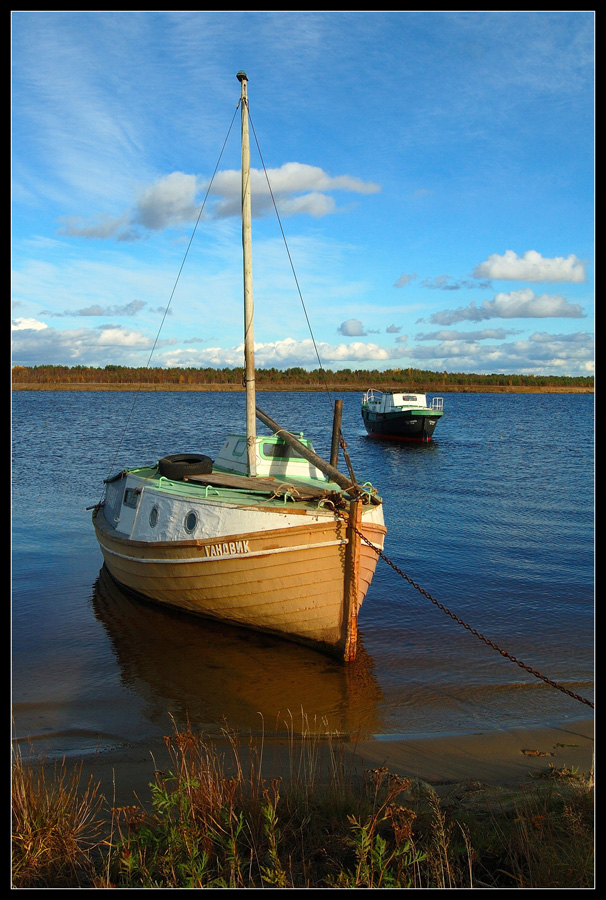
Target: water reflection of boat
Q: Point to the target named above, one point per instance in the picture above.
(212, 675)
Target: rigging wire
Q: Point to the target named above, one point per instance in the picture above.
(273, 200)
(177, 279)
(172, 293)
(342, 442)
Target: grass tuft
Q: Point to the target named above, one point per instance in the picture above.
(56, 825)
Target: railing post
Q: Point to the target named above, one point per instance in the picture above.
(336, 433)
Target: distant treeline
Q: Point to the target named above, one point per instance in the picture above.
(409, 379)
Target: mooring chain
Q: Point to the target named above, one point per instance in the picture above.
(473, 631)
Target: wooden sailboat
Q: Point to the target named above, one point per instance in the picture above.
(267, 536)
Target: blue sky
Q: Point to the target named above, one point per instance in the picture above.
(433, 172)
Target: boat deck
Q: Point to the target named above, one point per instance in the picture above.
(242, 489)
(271, 486)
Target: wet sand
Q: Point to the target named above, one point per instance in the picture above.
(499, 758)
(490, 761)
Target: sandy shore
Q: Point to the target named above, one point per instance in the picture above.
(491, 761)
(499, 758)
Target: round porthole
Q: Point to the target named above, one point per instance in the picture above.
(153, 517)
(191, 520)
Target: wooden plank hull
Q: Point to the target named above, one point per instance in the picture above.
(290, 582)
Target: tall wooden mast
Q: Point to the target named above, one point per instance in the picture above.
(249, 338)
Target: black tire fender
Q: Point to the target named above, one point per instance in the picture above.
(182, 465)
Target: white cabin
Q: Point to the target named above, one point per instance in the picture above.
(275, 458)
(384, 402)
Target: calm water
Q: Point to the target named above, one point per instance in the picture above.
(494, 519)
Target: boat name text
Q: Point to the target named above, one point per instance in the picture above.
(228, 549)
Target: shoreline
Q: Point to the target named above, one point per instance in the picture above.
(475, 765)
(505, 758)
(301, 388)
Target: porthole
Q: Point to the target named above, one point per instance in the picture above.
(191, 520)
(153, 517)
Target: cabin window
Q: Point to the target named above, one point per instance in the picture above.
(279, 451)
(153, 517)
(191, 520)
(240, 448)
(131, 498)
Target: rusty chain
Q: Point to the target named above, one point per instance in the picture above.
(469, 628)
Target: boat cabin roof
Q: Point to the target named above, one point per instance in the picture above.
(390, 400)
(275, 458)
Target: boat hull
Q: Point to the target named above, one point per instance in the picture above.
(410, 425)
(304, 583)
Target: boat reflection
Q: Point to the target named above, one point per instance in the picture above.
(404, 447)
(212, 675)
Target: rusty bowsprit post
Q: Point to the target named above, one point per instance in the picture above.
(352, 573)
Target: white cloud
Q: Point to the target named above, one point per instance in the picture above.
(314, 204)
(522, 304)
(299, 177)
(102, 228)
(578, 337)
(542, 354)
(284, 354)
(27, 325)
(93, 347)
(296, 188)
(115, 344)
(357, 352)
(531, 266)
(486, 334)
(128, 309)
(448, 283)
(351, 328)
(172, 200)
(404, 280)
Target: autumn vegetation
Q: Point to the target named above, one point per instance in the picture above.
(113, 377)
(215, 821)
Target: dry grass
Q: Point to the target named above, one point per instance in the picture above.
(56, 825)
(214, 820)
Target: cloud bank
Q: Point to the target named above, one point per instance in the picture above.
(522, 304)
(174, 200)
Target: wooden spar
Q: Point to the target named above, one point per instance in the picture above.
(330, 471)
(305, 452)
(336, 431)
(249, 340)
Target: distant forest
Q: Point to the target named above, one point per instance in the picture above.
(295, 378)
